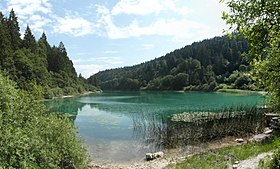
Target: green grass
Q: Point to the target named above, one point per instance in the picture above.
(216, 159)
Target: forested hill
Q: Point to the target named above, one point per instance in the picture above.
(35, 65)
(207, 65)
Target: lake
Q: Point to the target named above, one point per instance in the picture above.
(121, 127)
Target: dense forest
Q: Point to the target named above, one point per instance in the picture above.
(207, 65)
(35, 65)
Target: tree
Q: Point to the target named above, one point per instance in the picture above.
(14, 30)
(259, 22)
(29, 41)
(5, 44)
(31, 137)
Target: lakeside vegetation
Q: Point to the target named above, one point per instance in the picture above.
(44, 70)
(219, 158)
(31, 137)
(258, 22)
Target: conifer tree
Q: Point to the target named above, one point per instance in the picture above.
(29, 41)
(14, 31)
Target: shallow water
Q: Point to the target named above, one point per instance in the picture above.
(122, 127)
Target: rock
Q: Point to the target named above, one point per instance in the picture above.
(235, 165)
(275, 119)
(239, 140)
(152, 156)
(149, 156)
(268, 131)
(159, 154)
(260, 138)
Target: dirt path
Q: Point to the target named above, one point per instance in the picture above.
(252, 163)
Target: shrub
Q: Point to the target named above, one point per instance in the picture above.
(33, 138)
(275, 162)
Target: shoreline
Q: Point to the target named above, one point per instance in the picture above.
(172, 156)
(239, 91)
(70, 96)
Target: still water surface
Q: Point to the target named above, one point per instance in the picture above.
(124, 126)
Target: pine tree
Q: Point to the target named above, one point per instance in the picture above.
(29, 41)
(14, 31)
(5, 44)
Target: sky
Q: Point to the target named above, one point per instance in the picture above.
(105, 34)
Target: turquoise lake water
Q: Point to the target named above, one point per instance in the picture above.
(124, 126)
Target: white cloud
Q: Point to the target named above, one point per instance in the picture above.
(138, 7)
(88, 69)
(32, 12)
(38, 23)
(170, 4)
(146, 7)
(29, 7)
(74, 26)
(39, 15)
(164, 27)
(90, 66)
(176, 24)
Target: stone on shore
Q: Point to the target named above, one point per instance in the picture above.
(152, 156)
(239, 140)
(260, 138)
(149, 156)
(159, 154)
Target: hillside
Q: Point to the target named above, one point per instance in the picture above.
(207, 65)
(37, 67)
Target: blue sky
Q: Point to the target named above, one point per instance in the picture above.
(104, 34)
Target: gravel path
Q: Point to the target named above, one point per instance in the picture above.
(252, 163)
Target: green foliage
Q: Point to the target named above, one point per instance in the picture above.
(200, 66)
(258, 22)
(30, 62)
(218, 158)
(275, 163)
(33, 138)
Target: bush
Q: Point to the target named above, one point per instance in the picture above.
(57, 92)
(33, 138)
(275, 162)
(69, 91)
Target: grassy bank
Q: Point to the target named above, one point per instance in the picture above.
(217, 158)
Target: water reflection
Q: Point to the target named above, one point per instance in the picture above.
(123, 127)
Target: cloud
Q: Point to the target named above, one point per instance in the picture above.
(178, 28)
(38, 22)
(40, 16)
(170, 4)
(29, 7)
(88, 69)
(89, 66)
(73, 26)
(138, 7)
(146, 7)
(32, 12)
(166, 18)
